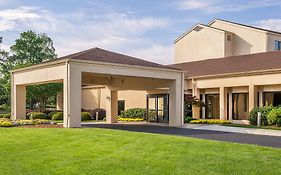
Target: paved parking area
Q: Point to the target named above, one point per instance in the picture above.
(262, 140)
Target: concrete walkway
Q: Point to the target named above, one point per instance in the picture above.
(268, 132)
(262, 140)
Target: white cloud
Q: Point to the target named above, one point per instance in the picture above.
(217, 6)
(157, 53)
(118, 31)
(271, 24)
(10, 17)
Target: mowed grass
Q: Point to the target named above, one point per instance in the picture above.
(100, 151)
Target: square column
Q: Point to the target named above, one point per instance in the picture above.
(223, 103)
(230, 105)
(261, 99)
(72, 98)
(176, 102)
(252, 97)
(111, 106)
(204, 108)
(18, 101)
(195, 93)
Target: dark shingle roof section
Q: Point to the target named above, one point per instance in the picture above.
(233, 64)
(101, 55)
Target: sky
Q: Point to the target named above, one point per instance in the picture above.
(143, 28)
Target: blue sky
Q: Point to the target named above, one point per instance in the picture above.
(143, 28)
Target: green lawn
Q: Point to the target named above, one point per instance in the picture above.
(100, 151)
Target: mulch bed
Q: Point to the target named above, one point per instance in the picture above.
(42, 126)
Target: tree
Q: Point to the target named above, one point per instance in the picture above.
(29, 49)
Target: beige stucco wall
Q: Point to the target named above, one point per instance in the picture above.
(93, 98)
(271, 41)
(198, 45)
(245, 39)
(133, 99)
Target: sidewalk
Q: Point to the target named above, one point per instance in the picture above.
(268, 132)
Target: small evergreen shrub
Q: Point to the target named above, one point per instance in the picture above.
(134, 113)
(188, 119)
(253, 116)
(50, 115)
(38, 115)
(273, 116)
(85, 116)
(278, 122)
(8, 116)
(58, 116)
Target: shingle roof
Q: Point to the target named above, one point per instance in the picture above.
(232, 64)
(101, 55)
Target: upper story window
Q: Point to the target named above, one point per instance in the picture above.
(277, 45)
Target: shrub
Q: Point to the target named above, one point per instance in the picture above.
(6, 124)
(58, 116)
(1, 115)
(85, 116)
(273, 116)
(130, 119)
(253, 117)
(278, 122)
(50, 115)
(6, 116)
(210, 121)
(187, 119)
(28, 115)
(134, 113)
(102, 113)
(38, 115)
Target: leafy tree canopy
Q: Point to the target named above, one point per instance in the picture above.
(30, 48)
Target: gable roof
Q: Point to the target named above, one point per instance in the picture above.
(231, 65)
(201, 25)
(257, 28)
(100, 55)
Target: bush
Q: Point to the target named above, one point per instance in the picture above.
(38, 115)
(58, 116)
(6, 124)
(1, 115)
(7, 116)
(264, 113)
(210, 121)
(50, 115)
(134, 113)
(278, 122)
(85, 116)
(102, 113)
(187, 119)
(273, 116)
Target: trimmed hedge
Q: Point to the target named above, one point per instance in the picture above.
(188, 119)
(130, 119)
(273, 116)
(50, 115)
(8, 116)
(210, 121)
(85, 116)
(58, 116)
(38, 115)
(134, 113)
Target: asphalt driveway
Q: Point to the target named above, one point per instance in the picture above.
(262, 140)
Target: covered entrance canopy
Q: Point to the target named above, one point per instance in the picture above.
(99, 67)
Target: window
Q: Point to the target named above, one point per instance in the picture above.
(277, 45)
(121, 106)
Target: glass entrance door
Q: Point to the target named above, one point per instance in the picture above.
(158, 108)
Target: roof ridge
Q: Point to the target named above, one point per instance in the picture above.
(227, 57)
(245, 25)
